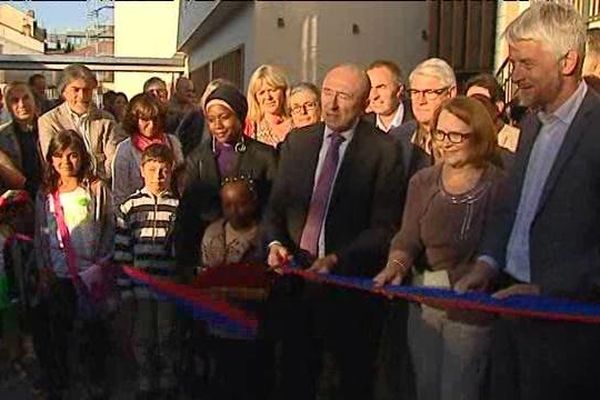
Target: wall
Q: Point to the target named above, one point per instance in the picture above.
(144, 29)
(192, 14)
(318, 35)
(238, 31)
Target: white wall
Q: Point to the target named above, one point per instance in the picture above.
(238, 31)
(318, 35)
(144, 29)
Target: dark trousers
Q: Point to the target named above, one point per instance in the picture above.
(344, 323)
(56, 331)
(537, 359)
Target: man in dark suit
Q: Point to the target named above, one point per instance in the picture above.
(335, 203)
(544, 235)
(387, 107)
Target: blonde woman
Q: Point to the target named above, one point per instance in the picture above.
(268, 119)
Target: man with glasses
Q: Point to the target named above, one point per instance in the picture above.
(431, 82)
(385, 98)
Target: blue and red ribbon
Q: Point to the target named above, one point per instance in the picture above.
(223, 313)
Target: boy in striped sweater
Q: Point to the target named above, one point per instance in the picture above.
(144, 229)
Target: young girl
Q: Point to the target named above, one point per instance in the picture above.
(145, 123)
(74, 239)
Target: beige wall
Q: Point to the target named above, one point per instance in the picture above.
(318, 35)
(144, 29)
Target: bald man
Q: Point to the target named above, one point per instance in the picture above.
(336, 201)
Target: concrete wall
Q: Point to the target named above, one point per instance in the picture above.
(144, 29)
(318, 35)
(239, 30)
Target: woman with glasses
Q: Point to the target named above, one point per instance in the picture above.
(268, 119)
(446, 209)
(304, 104)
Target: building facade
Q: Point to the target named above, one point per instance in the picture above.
(229, 39)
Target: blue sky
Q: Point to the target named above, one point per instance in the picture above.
(62, 15)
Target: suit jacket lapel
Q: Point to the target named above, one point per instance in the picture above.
(574, 133)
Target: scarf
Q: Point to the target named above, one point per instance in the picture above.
(141, 142)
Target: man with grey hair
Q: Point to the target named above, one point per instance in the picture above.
(543, 236)
(78, 113)
(333, 207)
(431, 83)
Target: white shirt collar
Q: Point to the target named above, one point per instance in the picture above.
(396, 121)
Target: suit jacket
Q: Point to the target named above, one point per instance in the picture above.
(413, 157)
(565, 233)
(104, 134)
(200, 204)
(366, 202)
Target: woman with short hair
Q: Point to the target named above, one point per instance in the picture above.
(447, 207)
(304, 103)
(144, 122)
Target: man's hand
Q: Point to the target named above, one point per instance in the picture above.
(324, 265)
(278, 257)
(478, 279)
(518, 289)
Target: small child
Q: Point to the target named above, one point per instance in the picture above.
(230, 240)
(144, 229)
(233, 238)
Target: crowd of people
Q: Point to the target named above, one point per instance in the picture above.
(425, 181)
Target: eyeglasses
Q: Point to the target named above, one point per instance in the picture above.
(453, 137)
(430, 94)
(309, 106)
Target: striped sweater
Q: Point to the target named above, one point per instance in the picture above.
(144, 233)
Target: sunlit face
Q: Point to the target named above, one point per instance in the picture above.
(148, 128)
(223, 124)
(270, 99)
(21, 104)
(305, 108)
(68, 163)
(157, 176)
(385, 94)
(427, 94)
(455, 130)
(536, 72)
(342, 99)
(239, 205)
(159, 92)
(78, 95)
